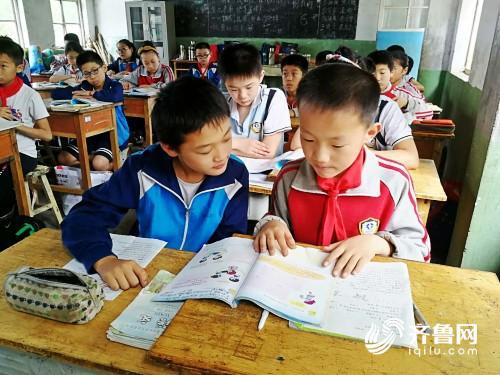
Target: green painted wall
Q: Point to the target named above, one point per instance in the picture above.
(311, 46)
(433, 81)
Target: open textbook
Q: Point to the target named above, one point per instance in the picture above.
(144, 320)
(299, 288)
(295, 287)
(7, 124)
(141, 91)
(377, 299)
(75, 104)
(142, 250)
(261, 165)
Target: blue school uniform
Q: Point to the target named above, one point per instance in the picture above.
(147, 183)
(120, 65)
(210, 73)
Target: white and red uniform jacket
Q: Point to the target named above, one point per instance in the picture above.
(417, 108)
(383, 204)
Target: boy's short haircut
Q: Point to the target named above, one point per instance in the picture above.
(202, 45)
(88, 56)
(396, 47)
(382, 57)
(296, 60)
(321, 57)
(401, 57)
(174, 115)
(347, 52)
(12, 49)
(73, 47)
(240, 60)
(410, 64)
(71, 37)
(366, 64)
(332, 87)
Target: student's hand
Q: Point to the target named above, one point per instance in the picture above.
(110, 73)
(126, 85)
(121, 274)
(6, 113)
(402, 101)
(353, 254)
(251, 148)
(274, 236)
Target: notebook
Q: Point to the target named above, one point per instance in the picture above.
(261, 165)
(74, 105)
(7, 124)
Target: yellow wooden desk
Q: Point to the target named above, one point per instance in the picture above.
(45, 92)
(141, 107)
(210, 337)
(426, 181)
(80, 125)
(40, 77)
(9, 153)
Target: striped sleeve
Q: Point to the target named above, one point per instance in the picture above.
(405, 229)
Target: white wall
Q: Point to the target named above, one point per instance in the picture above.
(367, 23)
(39, 22)
(111, 20)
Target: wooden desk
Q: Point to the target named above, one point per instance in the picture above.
(141, 107)
(40, 77)
(210, 337)
(45, 92)
(10, 153)
(83, 124)
(425, 180)
(431, 145)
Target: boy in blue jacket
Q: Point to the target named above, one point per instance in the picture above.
(186, 189)
(99, 86)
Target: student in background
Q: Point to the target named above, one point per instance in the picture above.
(259, 116)
(58, 62)
(411, 103)
(321, 57)
(96, 85)
(127, 62)
(407, 78)
(19, 102)
(293, 68)
(204, 69)
(342, 197)
(70, 71)
(186, 189)
(151, 73)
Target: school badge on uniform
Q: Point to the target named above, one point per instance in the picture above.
(256, 127)
(369, 226)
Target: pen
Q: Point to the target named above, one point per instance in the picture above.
(263, 319)
(419, 317)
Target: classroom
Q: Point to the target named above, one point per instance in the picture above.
(249, 187)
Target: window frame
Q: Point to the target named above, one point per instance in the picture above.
(64, 23)
(17, 21)
(410, 7)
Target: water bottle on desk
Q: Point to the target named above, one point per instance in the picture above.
(191, 50)
(182, 52)
(271, 56)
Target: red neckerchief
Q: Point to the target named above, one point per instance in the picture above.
(390, 92)
(10, 90)
(203, 72)
(333, 226)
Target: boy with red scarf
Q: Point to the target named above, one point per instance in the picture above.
(204, 69)
(342, 197)
(19, 102)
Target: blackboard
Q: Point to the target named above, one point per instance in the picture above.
(323, 19)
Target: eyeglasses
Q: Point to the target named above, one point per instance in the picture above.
(202, 56)
(92, 73)
(124, 49)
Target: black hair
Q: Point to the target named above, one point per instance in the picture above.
(321, 57)
(11, 49)
(401, 57)
(71, 37)
(396, 47)
(174, 115)
(339, 86)
(88, 56)
(367, 64)
(410, 64)
(240, 60)
(295, 60)
(382, 57)
(73, 47)
(202, 45)
(147, 43)
(130, 45)
(347, 52)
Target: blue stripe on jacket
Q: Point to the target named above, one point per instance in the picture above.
(147, 183)
(112, 92)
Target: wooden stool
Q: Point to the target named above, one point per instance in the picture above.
(34, 180)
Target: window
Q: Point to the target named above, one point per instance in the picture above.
(466, 35)
(10, 21)
(403, 14)
(67, 18)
